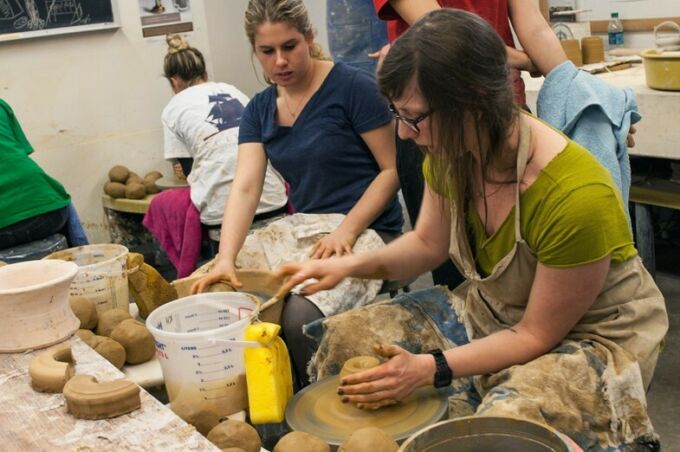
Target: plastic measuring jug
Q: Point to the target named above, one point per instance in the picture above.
(199, 343)
(102, 275)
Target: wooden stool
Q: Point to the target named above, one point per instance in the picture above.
(654, 192)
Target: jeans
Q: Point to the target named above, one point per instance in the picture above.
(354, 31)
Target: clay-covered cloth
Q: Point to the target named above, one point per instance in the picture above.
(290, 239)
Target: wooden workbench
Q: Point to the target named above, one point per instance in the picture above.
(30, 420)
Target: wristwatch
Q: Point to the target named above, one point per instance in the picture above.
(443, 375)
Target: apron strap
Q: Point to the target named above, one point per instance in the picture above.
(522, 157)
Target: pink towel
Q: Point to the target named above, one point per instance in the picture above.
(175, 222)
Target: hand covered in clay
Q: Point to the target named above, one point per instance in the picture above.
(389, 382)
(222, 270)
(336, 243)
(327, 272)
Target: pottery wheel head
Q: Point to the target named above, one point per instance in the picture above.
(318, 410)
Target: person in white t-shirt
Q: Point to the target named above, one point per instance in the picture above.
(200, 127)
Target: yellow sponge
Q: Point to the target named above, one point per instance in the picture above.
(270, 383)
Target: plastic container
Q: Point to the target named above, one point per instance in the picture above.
(102, 275)
(199, 343)
(487, 433)
(662, 69)
(615, 32)
(34, 305)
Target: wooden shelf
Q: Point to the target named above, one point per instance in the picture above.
(600, 26)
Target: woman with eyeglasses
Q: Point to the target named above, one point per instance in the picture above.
(325, 128)
(558, 321)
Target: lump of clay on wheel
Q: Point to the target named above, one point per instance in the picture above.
(136, 339)
(119, 173)
(135, 190)
(301, 442)
(200, 417)
(86, 398)
(232, 433)
(109, 349)
(114, 189)
(369, 439)
(85, 310)
(108, 320)
(50, 370)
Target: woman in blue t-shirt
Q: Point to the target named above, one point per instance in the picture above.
(330, 134)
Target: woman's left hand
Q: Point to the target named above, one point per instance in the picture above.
(336, 243)
(395, 379)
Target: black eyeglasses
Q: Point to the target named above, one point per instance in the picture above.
(411, 123)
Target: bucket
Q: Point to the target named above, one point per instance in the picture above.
(199, 343)
(34, 305)
(102, 277)
(487, 433)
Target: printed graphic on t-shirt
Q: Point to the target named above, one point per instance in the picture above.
(226, 113)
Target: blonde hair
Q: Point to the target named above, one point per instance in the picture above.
(291, 12)
(182, 60)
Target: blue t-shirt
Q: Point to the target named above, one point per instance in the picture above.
(322, 156)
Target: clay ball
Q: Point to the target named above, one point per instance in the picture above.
(85, 335)
(85, 310)
(108, 320)
(230, 433)
(109, 349)
(114, 189)
(301, 442)
(119, 173)
(200, 417)
(369, 439)
(136, 339)
(133, 177)
(150, 186)
(153, 175)
(135, 190)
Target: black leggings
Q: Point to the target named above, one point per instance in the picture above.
(299, 311)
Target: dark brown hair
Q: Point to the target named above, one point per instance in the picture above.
(458, 63)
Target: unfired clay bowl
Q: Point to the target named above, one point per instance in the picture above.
(34, 304)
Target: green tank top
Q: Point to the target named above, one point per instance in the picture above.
(26, 190)
(571, 215)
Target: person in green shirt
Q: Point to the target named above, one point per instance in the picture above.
(33, 204)
(557, 322)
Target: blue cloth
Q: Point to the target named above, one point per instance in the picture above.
(594, 114)
(322, 156)
(354, 31)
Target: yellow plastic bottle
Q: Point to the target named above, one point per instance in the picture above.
(268, 374)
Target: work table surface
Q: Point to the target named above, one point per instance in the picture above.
(31, 420)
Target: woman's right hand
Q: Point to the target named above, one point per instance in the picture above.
(221, 271)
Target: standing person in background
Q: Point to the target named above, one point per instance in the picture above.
(200, 132)
(354, 32)
(327, 130)
(542, 52)
(33, 205)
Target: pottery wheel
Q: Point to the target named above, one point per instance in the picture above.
(317, 410)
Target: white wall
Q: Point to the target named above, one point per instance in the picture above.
(630, 9)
